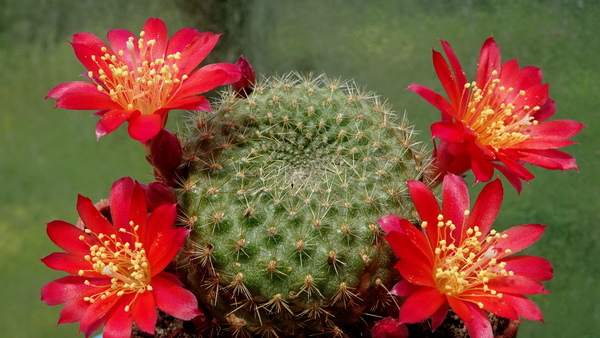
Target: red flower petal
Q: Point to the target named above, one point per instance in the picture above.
(480, 326)
(174, 299)
(156, 234)
(482, 168)
(534, 96)
(446, 77)
(143, 312)
(120, 202)
(549, 159)
(416, 272)
(68, 263)
(516, 285)
(86, 100)
(520, 237)
(548, 142)
(410, 244)
(391, 223)
(112, 119)
(438, 317)
(457, 69)
(489, 60)
(118, 39)
(546, 111)
(421, 305)
(61, 290)
(524, 307)
(195, 51)
(145, 127)
(528, 77)
(426, 93)
(90, 329)
(427, 207)
(138, 212)
(556, 128)
(96, 310)
(208, 78)
(118, 321)
(74, 87)
(495, 305)
(92, 218)
(486, 207)
(190, 103)
(529, 266)
(66, 236)
(87, 47)
(75, 307)
(455, 201)
(461, 309)
(162, 256)
(155, 29)
(418, 240)
(512, 178)
(448, 131)
(516, 167)
(182, 39)
(404, 288)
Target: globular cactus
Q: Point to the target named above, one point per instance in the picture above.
(283, 189)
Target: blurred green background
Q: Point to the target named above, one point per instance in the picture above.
(49, 156)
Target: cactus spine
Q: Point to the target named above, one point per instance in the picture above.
(283, 190)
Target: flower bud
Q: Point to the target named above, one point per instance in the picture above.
(245, 85)
(165, 155)
(389, 328)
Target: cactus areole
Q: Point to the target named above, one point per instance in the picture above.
(283, 189)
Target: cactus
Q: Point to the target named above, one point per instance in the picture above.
(283, 189)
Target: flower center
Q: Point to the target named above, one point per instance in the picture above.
(467, 265)
(126, 263)
(492, 112)
(148, 87)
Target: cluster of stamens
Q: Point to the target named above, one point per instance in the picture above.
(498, 123)
(125, 262)
(147, 87)
(466, 264)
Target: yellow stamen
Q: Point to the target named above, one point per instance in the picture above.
(467, 265)
(146, 87)
(490, 113)
(127, 265)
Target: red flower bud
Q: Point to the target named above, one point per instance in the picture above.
(245, 85)
(389, 328)
(157, 193)
(165, 155)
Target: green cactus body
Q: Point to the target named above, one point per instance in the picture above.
(283, 192)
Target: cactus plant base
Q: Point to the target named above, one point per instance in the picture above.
(170, 327)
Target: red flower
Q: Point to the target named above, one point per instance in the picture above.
(497, 120)
(140, 80)
(456, 259)
(116, 268)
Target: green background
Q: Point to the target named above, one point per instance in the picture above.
(49, 156)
